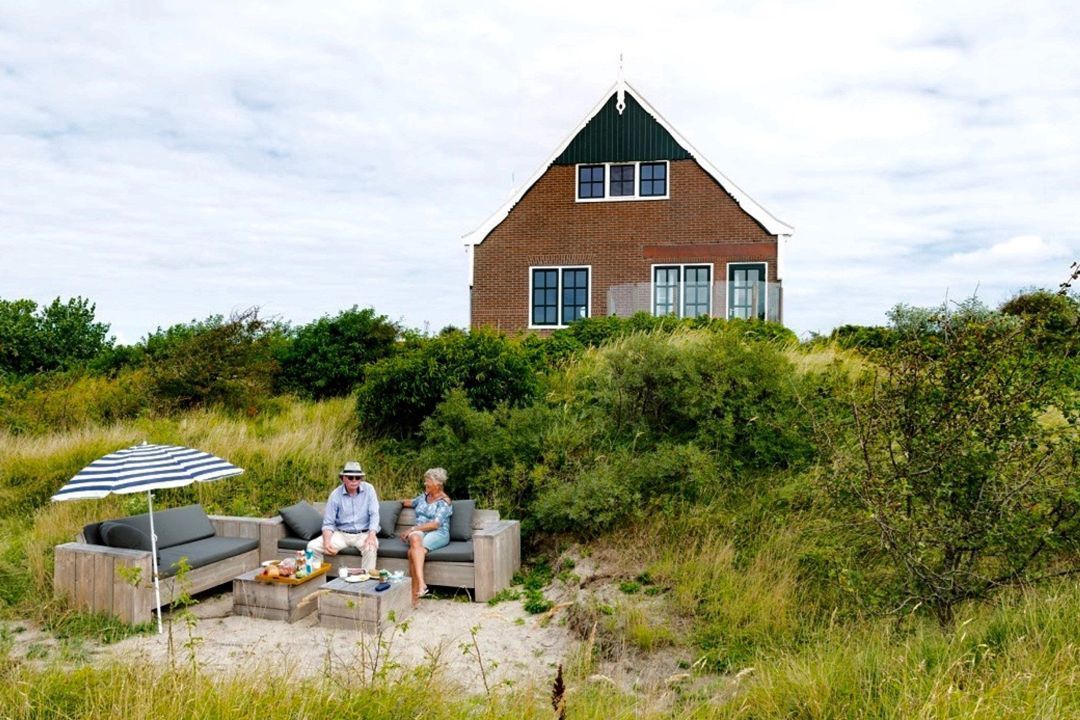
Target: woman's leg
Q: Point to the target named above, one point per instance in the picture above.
(416, 565)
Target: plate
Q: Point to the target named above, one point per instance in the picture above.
(356, 578)
(268, 563)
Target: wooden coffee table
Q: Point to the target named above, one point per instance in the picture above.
(273, 601)
(357, 606)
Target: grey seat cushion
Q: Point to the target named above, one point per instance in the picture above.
(302, 520)
(389, 510)
(291, 542)
(203, 552)
(456, 551)
(461, 520)
(174, 526)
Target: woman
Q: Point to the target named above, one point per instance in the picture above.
(432, 529)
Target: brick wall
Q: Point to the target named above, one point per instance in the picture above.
(620, 240)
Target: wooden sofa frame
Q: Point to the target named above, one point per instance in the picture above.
(496, 555)
(120, 582)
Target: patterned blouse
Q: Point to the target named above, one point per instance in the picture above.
(439, 510)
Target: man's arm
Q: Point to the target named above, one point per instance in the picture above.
(373, 515)
(329, 522)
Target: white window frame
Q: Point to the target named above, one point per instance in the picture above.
(559, 289)
(727, 282)
(636, 197)
(682, 285)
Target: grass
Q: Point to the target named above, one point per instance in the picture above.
(291, 454)
(753, 577)
(1017, 658)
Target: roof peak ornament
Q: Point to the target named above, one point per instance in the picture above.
(620, 100)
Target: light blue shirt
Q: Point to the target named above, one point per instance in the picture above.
(439, 511)
(352, 513)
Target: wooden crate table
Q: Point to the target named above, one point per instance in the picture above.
(274, 601)
(357, 606)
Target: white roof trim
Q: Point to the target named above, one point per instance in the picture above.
(770, 222)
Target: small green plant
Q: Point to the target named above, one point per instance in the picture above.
(535, 602)
(630, 587)
(473, 648)
(510, 593)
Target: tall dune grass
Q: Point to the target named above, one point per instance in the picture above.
(292, 454)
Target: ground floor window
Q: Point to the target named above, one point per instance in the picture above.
(558, 295)
(746, 290)
(682, 290)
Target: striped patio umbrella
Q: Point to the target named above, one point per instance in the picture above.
(145, 468)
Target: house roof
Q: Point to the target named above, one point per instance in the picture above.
(580, 142)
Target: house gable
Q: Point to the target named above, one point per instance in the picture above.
(659, 136)
(611, 136)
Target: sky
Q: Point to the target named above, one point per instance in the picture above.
(171, 161)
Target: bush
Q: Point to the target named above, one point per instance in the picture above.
(215, 362)
(730, 395)
(946, 448)
(400, 391)
(58, 337)
(328, 357)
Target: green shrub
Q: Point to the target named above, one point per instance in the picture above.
(59, 336)
(328, 357)
(399, 392)
(945, 450)
(216, 362)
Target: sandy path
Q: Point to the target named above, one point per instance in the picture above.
(514, 645)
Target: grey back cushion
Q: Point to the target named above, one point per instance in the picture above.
(303, 520)
(461, 520)
(120, 535)
(173, 527)
(389, 510)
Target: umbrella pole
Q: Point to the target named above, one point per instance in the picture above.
(153, 551)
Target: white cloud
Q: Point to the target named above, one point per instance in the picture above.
(174, 161)
(1021, 249)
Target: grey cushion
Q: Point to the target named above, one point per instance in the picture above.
(461, 520)
(119, 535)
(302, 520)
(174, 526)
(389, 510)
(456, 551)
(290, 542)
(203, 552)
(92, 534)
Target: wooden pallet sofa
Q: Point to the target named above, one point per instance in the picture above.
(482, 557)
(109, 569)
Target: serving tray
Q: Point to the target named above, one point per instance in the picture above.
(321, 570)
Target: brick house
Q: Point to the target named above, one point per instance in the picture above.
(624, 217)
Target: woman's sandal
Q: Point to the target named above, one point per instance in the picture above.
(423, 592)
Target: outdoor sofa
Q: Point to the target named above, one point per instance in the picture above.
(482, 557)
(109, 569)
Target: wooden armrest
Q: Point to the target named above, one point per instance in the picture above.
(88, 549)
(495, 529)
(497, 556)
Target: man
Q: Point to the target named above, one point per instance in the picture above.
(351, 519)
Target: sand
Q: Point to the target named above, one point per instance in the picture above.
(515, 647)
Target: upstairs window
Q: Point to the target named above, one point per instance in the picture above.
(622, 181)
(558, 295)
(653, 179)
(591, 181)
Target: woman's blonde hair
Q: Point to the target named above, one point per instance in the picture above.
(439, 476)
(436, 474)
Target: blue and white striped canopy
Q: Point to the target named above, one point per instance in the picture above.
(145, 467)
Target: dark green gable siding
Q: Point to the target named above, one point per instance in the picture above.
(611, 137)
